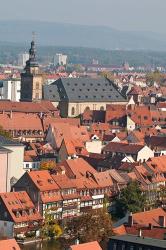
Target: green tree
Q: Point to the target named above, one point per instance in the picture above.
(50, 228)
(155, 76)
(5, 133)
(131, 199)
(96, 225)
(47, 165)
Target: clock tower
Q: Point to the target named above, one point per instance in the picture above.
(31, 78)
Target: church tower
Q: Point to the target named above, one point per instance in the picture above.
(32, 78)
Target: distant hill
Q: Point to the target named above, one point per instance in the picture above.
(60, 34)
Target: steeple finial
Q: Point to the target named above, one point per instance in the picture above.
(33, 36)
(32, 51)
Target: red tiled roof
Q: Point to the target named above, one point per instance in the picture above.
(27, 107)
(157, 163)
(67, 131)
(21, 121)
(154, 232)
(87, 246)
(149, 217)
(122, 147)
(51, 120)
(9, 244)
(121, 230)
(19, 201)
(43, 180)
(77, 168)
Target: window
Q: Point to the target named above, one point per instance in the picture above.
(73, 111)
(101, 108)
(87, 108)
(145, 117)
(27, 165)
(37, 85)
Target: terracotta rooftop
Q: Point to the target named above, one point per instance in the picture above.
(19, 202)
(43, 180)
(77, 168)
(87, 246)
(152, 216)
(27, 107)
(9, 244)
(121, 147)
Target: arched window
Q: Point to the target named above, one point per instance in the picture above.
(37, 85)
(101, 108)
(73, 111)
(87, 108)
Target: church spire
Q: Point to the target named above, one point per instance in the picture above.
(32, 62)
(32, 51)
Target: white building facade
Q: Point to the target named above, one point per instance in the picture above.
(11, 89)
(60, 59)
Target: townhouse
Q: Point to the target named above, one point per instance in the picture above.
(137, 152)
(43, 191)
(18, 216)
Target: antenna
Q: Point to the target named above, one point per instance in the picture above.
(33, 35)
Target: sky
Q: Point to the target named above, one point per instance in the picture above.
(144, 15)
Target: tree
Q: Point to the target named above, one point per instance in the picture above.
(47, 165)
(5, 133)
(131, 199)
(50, 228)
(155, 76)
(96, 225)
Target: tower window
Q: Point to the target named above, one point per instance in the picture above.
(37, 85)
(72, 111)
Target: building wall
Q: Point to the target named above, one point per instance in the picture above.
(80, 107)
(37, 87)
(16, 158)
(94, 146)
(3, 171)
(130, 124)
(31, 86)
(6, 229)
(11, 90)
(31, 166)
(144, 154)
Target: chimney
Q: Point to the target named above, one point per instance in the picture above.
(162, 221)
(140, 233)
(130, 220)
(77, 242)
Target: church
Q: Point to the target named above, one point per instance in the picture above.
(72, 95)
(32, 78)
(75, 95)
